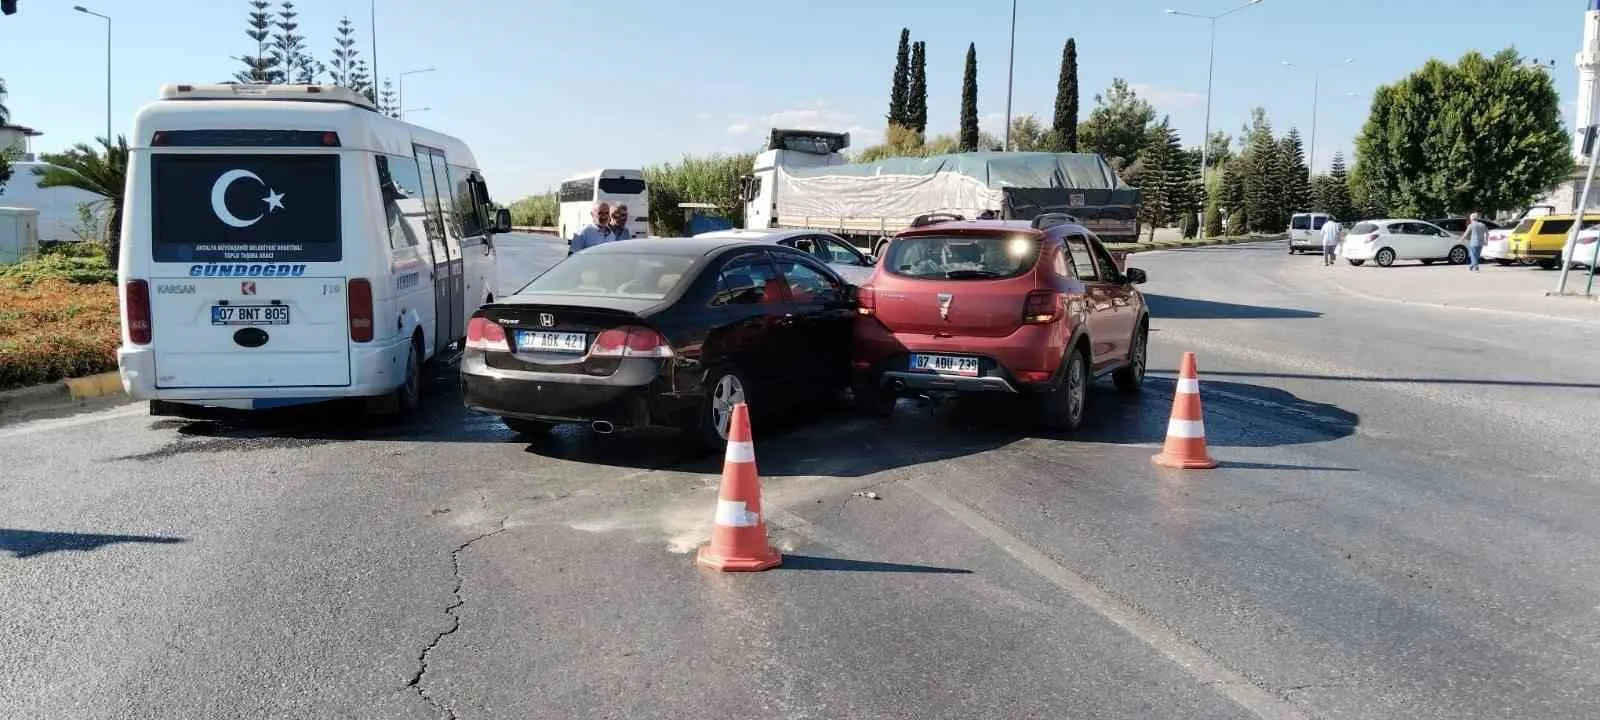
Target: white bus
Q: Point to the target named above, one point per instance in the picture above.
(579, 194)
(286, 244)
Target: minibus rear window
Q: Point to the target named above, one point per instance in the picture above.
(239, 207)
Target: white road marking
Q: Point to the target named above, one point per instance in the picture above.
(38, 426)
(1195, 661)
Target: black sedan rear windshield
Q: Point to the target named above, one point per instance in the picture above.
(643, 275)
(962, 257)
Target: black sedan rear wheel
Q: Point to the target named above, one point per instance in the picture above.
(724, 390)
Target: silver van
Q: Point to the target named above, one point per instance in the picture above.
(1305, 231)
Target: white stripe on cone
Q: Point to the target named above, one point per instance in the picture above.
(1188, 385)
(732, 513)
(1186, 428)
(740, 451)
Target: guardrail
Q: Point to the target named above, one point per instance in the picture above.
(536, 229)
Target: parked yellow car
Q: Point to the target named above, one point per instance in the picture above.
(1540, 239)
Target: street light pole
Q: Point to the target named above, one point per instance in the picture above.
(400, 100)
(106, 18)
(1211, 64)
(1011, 67)
(1316, 79)
(412, 110)
(372, 13)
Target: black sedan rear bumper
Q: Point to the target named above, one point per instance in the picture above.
(637, 395)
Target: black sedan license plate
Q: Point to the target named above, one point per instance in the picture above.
(249, 315)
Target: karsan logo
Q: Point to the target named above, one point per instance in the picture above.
(253, 270)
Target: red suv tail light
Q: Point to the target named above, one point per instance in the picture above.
(136, 312)
(866, 301)
(1041, 307)
(486, 334)
(630, 341)
(359, 299)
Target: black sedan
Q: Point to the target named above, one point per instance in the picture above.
(661, 332)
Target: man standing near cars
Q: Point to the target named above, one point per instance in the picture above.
(594, 233)
(619, 223)
(1475, 235)
(1330, 240)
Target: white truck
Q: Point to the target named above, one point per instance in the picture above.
(803, 181)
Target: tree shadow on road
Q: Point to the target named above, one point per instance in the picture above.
(31, 543)
(1167, 307)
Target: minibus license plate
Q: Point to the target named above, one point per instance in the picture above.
(552, 341)
(249, 315)
(946, 364)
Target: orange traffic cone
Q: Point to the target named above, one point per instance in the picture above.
(1185, 448)
(739, 533)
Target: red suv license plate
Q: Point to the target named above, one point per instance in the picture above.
(946, 364)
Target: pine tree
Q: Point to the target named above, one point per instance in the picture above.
(969, 101)
(1161, 177)
(360, 80)
(262, 67)
(386, 100)
(1294, 177)
(1259, 167)
(900, 88)
(1339, 204)
(295, 65)
(1066, 120)
(918, 94)
(344, 53)
(1187, 190)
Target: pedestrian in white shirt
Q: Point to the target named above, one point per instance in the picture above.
(595, 233)
(1330, 241)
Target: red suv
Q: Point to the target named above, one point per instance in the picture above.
(1001, 306)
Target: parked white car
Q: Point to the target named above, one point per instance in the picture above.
(844, 258)
(1584, 256)
(1386, 241)
(1497, 246)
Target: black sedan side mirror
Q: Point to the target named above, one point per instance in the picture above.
(502, 221)
(1136, 276)
(852, 294)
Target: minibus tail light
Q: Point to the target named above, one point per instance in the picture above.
(359, 298)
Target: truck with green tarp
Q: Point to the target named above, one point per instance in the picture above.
(803, 181)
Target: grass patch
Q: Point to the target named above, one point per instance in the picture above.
(52, 328)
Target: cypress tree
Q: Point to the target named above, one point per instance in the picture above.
(918, 97)
(899, 90)
(1066, 120)
(969, 101)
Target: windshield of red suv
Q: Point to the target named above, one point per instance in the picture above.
(961, 257)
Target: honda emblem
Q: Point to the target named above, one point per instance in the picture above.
(944, 305)
(247, 288)
(547, 320)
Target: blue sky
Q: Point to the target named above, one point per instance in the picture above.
(542, 89)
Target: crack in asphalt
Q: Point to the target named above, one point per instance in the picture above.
(415, 682)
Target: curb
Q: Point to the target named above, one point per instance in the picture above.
(59, 394)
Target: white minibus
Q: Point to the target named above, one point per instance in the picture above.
(288, 244)
(579, 194)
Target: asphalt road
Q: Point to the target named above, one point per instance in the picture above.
(1405, 526)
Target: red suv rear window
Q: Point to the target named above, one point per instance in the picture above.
(961, 257)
